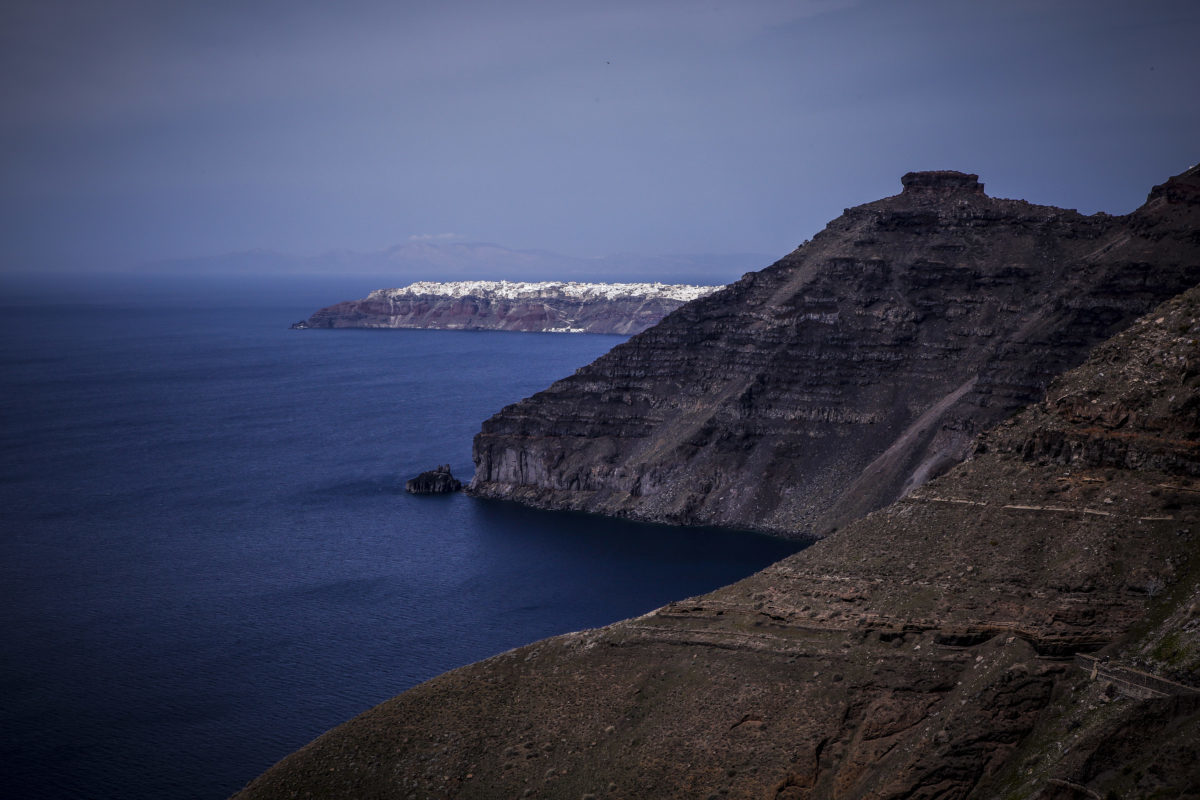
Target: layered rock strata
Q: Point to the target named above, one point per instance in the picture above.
(849, 372)
(924, 651)
(556, 307)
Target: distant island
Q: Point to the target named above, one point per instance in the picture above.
(547, 306)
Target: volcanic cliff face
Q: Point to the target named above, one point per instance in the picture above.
(924, 651)
(557, 307)
(849, 372)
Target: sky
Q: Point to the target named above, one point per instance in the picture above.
(138, 130)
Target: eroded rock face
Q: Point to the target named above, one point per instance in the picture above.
(555, 307)
(849, 372)
(923, 651)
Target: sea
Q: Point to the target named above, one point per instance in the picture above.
(207, 557)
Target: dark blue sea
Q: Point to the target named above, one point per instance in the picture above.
(207, 557)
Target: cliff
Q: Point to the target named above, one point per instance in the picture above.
(924, 651)
(558, 307)
(849, 372)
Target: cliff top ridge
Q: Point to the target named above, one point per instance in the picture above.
(1181, 189)
(942, 180)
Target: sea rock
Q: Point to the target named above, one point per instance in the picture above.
(435, 481)
(934, 649)
(851, 371)
(553, 307)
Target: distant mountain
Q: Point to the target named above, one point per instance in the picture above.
(455, 260)
(548, 306)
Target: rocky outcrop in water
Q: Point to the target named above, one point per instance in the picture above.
(435, 481)
(555, 307)
(925, 651)
(851, 371)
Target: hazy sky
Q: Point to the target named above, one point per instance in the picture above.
(144, 129)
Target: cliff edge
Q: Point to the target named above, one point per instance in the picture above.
(849, 372)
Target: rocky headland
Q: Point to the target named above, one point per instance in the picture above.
(556, 307)
(849, 372)
(1027, 625)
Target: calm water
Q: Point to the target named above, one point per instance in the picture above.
(207, 558)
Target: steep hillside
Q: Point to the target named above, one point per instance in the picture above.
(854, 369)
(934, 649)
(557, 307)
